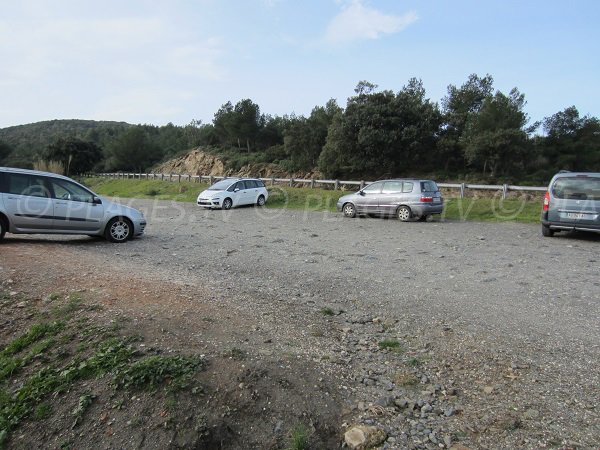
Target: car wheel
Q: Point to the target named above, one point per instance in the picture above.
(403, 213)
(349, 210)
(2, 228)
(424, 218)
(546, 231)
(119, 230)
(227, 203)
(261, 200)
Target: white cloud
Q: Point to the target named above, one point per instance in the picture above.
(357, 22)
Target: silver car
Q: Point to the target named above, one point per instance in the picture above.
(572, 202)
(33, 202)
(403, 198)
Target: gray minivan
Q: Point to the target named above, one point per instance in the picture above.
(404, 198)
(572, 202)
(33, 202)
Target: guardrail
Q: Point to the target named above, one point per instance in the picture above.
(313, 183)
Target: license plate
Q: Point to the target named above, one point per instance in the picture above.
(436, 199)
(576, 216)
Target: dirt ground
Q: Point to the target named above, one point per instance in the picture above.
(437, 335)
(247, 401)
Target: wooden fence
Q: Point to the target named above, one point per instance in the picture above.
(314, 183)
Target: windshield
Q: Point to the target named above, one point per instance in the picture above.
(577, 188)
(221, 185)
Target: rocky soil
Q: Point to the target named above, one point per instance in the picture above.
(373, 332)
(199, 162)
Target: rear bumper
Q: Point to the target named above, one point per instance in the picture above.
(427, 209)
(570, 226)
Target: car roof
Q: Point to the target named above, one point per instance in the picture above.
(405, 179)
(32, 172)
(566, 173)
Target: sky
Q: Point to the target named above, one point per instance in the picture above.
(152, 62)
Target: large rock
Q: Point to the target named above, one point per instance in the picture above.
(196, 162)
(363, 437)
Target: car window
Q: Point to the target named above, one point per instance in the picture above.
(22, 184)
(577, 188)
(241, 185)
(260, 184)
(407, 186)
(392, 187)
(373, 188)
(428, 186)
(66, 190)
(221, 185)
(251, 184)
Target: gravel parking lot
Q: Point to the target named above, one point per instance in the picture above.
(498, 327)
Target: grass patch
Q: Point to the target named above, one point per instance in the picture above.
(299, 438)
(185, 191)
(493, 209)
(390, 344)
(327, 311)
(413, 362)
(152, 371)
(28, 391)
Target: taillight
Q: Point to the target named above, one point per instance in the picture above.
(426, 199)
(546, 201)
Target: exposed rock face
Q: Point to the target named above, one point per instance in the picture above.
(198, 162)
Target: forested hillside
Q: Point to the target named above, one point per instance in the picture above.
(475, 132)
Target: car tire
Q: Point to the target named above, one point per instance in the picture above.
(119, 230)
(261, 200)
(349, 210)
(546, 231)
(404, 213)
(3, 227)
(227, 204)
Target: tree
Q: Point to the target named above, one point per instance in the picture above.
(239, 124)
(5, 150)
(133, 150)
(75, 155)
(305, 138)
(572, 142)
(457, 106)
(381, 133)
(495, 138)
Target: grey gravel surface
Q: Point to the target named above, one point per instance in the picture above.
(498, 327)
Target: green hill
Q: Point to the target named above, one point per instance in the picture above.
(27, 141)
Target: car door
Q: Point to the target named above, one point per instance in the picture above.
(367, 202)
(28, 202)
(251, 192)
(391, 197)
(235, 192)
(74, 208)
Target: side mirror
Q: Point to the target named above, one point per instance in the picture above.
(361, 193)
(236, 189)
(96, 200)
